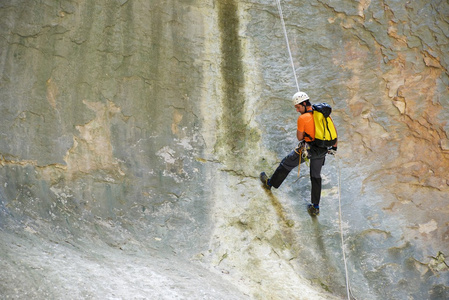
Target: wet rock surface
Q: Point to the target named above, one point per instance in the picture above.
(132, 135)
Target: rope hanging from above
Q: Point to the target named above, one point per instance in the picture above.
(278, 2)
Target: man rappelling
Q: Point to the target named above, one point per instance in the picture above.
(317, 136)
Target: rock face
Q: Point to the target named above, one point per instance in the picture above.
(132, 134)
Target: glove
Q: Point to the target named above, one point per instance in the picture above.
(332, 150)
(302, 144)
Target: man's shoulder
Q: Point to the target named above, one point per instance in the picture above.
(305, 117)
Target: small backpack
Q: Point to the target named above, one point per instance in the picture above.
(325, 132)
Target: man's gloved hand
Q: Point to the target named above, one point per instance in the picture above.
(332, 150)
(302, 144)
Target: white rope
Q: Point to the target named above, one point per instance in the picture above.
(278, 2)
(341, 231)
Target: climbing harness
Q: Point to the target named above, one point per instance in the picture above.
(300, 152)
(278, 2)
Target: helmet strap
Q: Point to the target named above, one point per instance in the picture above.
(305, 107)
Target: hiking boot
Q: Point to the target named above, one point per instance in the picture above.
(313, 211)
(264, 178)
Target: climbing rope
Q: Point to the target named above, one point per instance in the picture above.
(301, 150)
(278, 2)
(341, 230)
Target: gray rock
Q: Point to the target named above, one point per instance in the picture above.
(132, 135)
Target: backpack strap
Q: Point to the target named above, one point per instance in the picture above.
(305, 133)
(308, 135)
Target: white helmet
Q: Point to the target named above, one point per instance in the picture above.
(299, 97)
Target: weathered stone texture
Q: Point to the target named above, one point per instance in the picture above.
(142, 126)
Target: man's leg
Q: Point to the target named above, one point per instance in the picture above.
(287, 164)
(315, 179)
(278, 176)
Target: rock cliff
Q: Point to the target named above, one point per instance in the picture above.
(132, 134)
